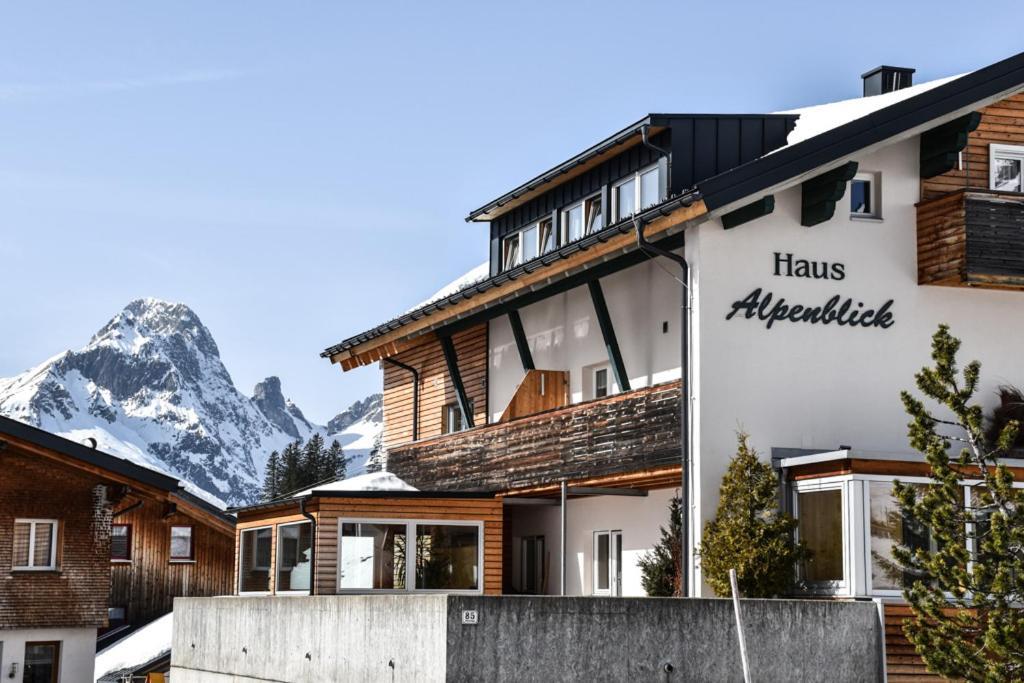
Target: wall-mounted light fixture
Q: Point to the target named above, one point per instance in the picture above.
(14, 670)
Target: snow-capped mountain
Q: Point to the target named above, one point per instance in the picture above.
(150, 387)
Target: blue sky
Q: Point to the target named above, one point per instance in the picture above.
(299, 172)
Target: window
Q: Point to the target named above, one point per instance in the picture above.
(1005, 163)
(600, 382)
(607, 563)
(117, 616)
(511, 253)
(35, 544)
(294, 548)
(254, 565)
(888, 529)
(529, 243)
(820, 526)
(42, 662)
(637, 192)
(572, 220)
(531, 565)
(121, 542)
(547, 239)
(447, 557)
(372, 556)
(453, 418)
(594, 221)
(865, 199)
(181, 544)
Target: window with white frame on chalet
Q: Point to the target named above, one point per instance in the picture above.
(35, 544)
(452, 418)
(182, 548)
(294, 550)
(865, 196)
(254, 550)
(1006, 163)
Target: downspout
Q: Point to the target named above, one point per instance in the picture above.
(312, 545)
(684, 371)
(415, 395)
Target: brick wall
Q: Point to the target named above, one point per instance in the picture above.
(624, 433)
(76, 594)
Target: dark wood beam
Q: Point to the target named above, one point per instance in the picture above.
(604, 491)
(525, 357)
(819, 195)
(452, 361)
(604, 321)
(941, 146)
(745, 214)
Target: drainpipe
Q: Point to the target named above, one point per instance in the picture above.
(312, 545)
(415, 395)
(684, 409)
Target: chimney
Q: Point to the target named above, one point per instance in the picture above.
(883, 79)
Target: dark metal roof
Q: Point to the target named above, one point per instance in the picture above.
(616, 139)
(820, 150)
(205, 505)
(318, 493)
(469, 292)
(91, 456)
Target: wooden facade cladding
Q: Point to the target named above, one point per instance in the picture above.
(902, 663)
(147, 584)
(905, 468)
(329, 510)
(637, 430)
(971, 238)
(1001, 123)
(540, 390)
(436, 389)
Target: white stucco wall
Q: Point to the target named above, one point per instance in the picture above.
(818, 386)
(563, 334)
(638, 518)
(77, 651)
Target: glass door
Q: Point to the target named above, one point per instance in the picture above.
(607, 563)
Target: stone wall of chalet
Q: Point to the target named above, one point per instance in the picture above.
(75, 595)
(625, 433)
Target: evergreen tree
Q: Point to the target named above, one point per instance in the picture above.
(313, 461)
(982, 637)
(335, 463)
(749, 533)
(659, 568)
(272, 478)
(291, 468)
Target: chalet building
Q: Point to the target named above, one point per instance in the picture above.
(691, 275)
(88, 541)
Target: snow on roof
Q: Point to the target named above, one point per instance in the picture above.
(137, 648)
(818, 119)
(478, 274)
(375, 481)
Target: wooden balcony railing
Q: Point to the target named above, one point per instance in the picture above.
(971, 238)
(627, 432)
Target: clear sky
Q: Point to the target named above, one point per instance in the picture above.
(298, 172)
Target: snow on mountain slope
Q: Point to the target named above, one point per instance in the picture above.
(150, 387)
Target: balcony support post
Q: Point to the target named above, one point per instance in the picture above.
(525, 357)
(604, 321)
(452, 361)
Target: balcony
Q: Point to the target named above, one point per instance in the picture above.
(971, 238)
(629, 432)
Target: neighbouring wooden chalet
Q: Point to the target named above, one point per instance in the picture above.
(688, 276)
(89, 541)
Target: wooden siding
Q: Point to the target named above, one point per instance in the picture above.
(328, 511)
(149, 582)
(897, 468)
(1001, 123)
(623, 433)
(902, 662)
(436, 390)
(540, 390)
(971, 238)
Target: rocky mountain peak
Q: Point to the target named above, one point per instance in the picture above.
(370, 409)
(147, 321)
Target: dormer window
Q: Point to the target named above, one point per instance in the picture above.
(582, 219)
(511, 252)
(524, 245)
(636, 192)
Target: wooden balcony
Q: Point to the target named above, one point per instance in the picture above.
(971, 238)
(629, 432)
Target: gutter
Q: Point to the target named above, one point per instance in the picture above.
(415, 394)
(312, 545)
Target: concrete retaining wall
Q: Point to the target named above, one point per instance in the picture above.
(423, 638)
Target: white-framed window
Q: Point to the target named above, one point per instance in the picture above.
(294, 557)
(1006, 163)
(601, 382)
(820, 509)
(511, 251)
(524, 245)
(389, 555)
(866, 196)
(182, 546)
(607, 563)
(598, 381)
(452, 418)
(35, 544)
(255, 548)
(888, 528)
(636, 192)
